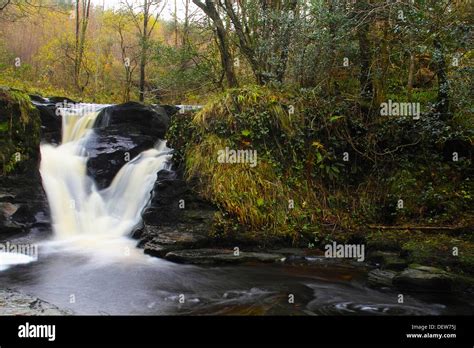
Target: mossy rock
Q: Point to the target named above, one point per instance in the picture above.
(220, 256)
(20, 129)
(437, 249)
(380, 278)
(440, 250)
(426, 278)
(388, 260)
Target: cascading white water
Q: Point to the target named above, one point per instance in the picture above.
(78, 209)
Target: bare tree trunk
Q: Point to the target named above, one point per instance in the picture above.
(381, 62)
(76, 47)
(128, 70)
(82, 22)
(210, 10)
(332, 84)
(443, 83)
(411, 73)
(285, 43)
(365, 77)
(175, 18)
(245, 41)
(144, 50)
(186, 24)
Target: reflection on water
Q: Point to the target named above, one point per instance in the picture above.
(116, 278)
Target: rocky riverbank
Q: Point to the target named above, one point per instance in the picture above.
(180, 226)
(17, 303)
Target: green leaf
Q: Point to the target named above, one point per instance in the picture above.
(335, 118)
(3, 126)
(319, 157)
(245, 132)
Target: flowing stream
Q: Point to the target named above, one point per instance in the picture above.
(91, 266)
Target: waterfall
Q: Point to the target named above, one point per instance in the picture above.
(78, 208)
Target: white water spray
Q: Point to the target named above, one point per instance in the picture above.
(79, 210)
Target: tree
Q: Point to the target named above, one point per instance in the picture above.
(210, 9)
(121, 22)
(12, 10)
(145, 17)
(82, 14)
(264, 30)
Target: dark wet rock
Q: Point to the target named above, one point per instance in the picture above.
(22, 199)
(170, 109)
(109, 151)
(51, 123)
(290, 252)
(311, 257)
(424, 278)
(7, 226)
(387, 260)
(38, 99)
(174, 201)
(176, 218)
(163, 239)
(171, 214)
(122, 132)
(23, 205)
(158, 250)
(169, 236)
(381, 278)
(220, 256)
(61, 100)
(134, 117)
(16, 303)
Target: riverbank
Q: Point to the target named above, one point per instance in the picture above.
(204, 212)
(17, 303)
(143, 285)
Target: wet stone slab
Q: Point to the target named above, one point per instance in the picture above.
(16, 303)
(220, 256)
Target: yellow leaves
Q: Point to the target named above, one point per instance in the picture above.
(317, 145)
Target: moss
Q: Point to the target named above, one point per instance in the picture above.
(4, 127)
(433, 249)
(302, 190)
(21, 126)
(268, 200)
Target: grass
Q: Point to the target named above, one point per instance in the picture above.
(301, 190)
(258, 196)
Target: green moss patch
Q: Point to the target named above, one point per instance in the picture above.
(432, 249)
(20, 127)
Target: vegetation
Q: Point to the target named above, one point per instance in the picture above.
(19, 129)
(303, 84)
(302, 186)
